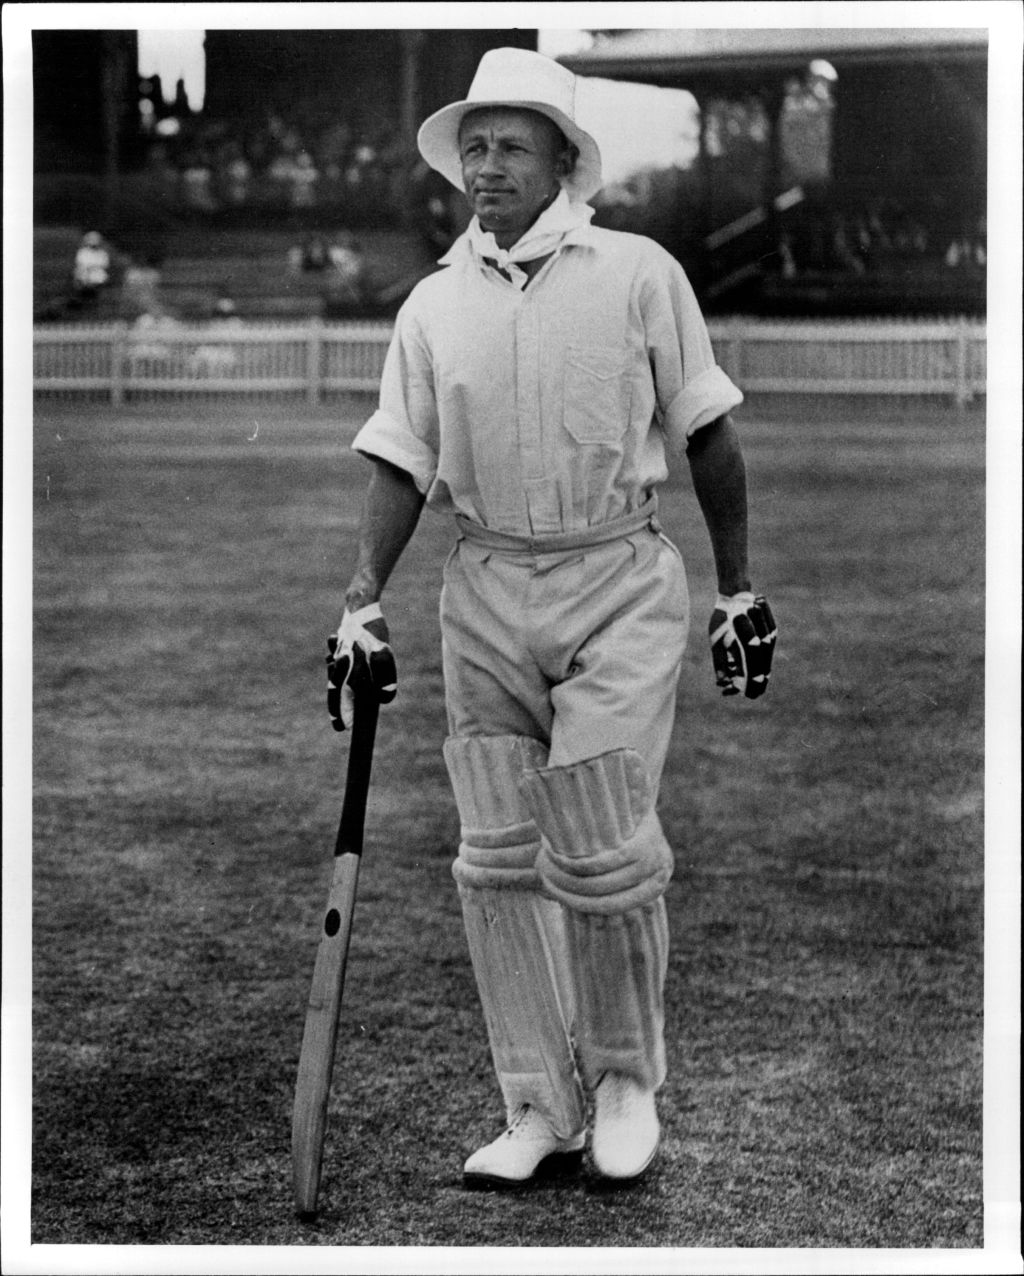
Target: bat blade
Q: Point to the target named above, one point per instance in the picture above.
(320, 1035)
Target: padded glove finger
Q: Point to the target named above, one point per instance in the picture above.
(359, 654)
(728, 669)
(761, 648)
(383, 674)
(337, 678)
(743, 633)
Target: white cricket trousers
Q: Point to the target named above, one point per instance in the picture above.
(561, 662)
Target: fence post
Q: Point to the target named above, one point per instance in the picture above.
(735, 368)
(314, 354)
(963, 385)
(725, 341)
(118, 359)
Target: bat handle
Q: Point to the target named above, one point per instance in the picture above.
(360, 763)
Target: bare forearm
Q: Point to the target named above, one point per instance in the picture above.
(720, 482)
(390, 513)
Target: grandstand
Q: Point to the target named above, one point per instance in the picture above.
(304, 135)
(859, 193)
(840, 172)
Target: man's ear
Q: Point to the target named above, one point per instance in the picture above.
(567, 160)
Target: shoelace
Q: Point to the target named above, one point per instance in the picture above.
(517, 1120)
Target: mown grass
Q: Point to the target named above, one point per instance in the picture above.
(825, 991)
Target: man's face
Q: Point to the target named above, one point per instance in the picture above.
(511, 164)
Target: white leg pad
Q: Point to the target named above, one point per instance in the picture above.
(499, 837)
(517, 939)
(513, 940)
(620, 963)
(603, 848)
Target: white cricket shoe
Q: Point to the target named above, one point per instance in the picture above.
(528, 1149)
(626, 1129)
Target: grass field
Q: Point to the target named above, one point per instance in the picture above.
(825, 989)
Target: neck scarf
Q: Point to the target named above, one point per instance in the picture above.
(543, 237)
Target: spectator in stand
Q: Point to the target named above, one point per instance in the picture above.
(303, 178)
(357, 174)
(257, 149)
(235, 177)
(140, 288)
(279, 174)
(291, 141)
(161, 172)
(980, 242)
(968, 249)
(91, 270)
(225, 312)
(787, 262)
(954, 254)
(275, 130)
(333, 149)
(876, 229)
(390, 174)
(197, 184)
(902, 232)
(862, 238)
(313, 254)
(430, 196)
(349, 278)
(843, 255)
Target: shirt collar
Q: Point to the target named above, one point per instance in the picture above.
(462, 249)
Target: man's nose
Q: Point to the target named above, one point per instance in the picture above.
(492, 161)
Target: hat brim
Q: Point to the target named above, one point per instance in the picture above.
(438, 141)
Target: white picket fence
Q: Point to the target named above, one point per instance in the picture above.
(314, 361)
(868, 356)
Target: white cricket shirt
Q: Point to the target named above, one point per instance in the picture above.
(550, 409)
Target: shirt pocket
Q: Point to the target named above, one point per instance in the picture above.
(597, 393)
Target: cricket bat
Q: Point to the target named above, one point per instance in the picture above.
(316, 1060)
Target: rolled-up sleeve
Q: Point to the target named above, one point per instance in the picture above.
(404, 428)
(691, 389)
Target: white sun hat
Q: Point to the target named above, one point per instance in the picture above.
(522, 80)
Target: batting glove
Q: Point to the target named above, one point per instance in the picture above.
(359, 650)
(743, 633)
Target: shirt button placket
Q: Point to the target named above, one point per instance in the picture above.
(531, 454)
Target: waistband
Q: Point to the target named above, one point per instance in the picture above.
(556, 542)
